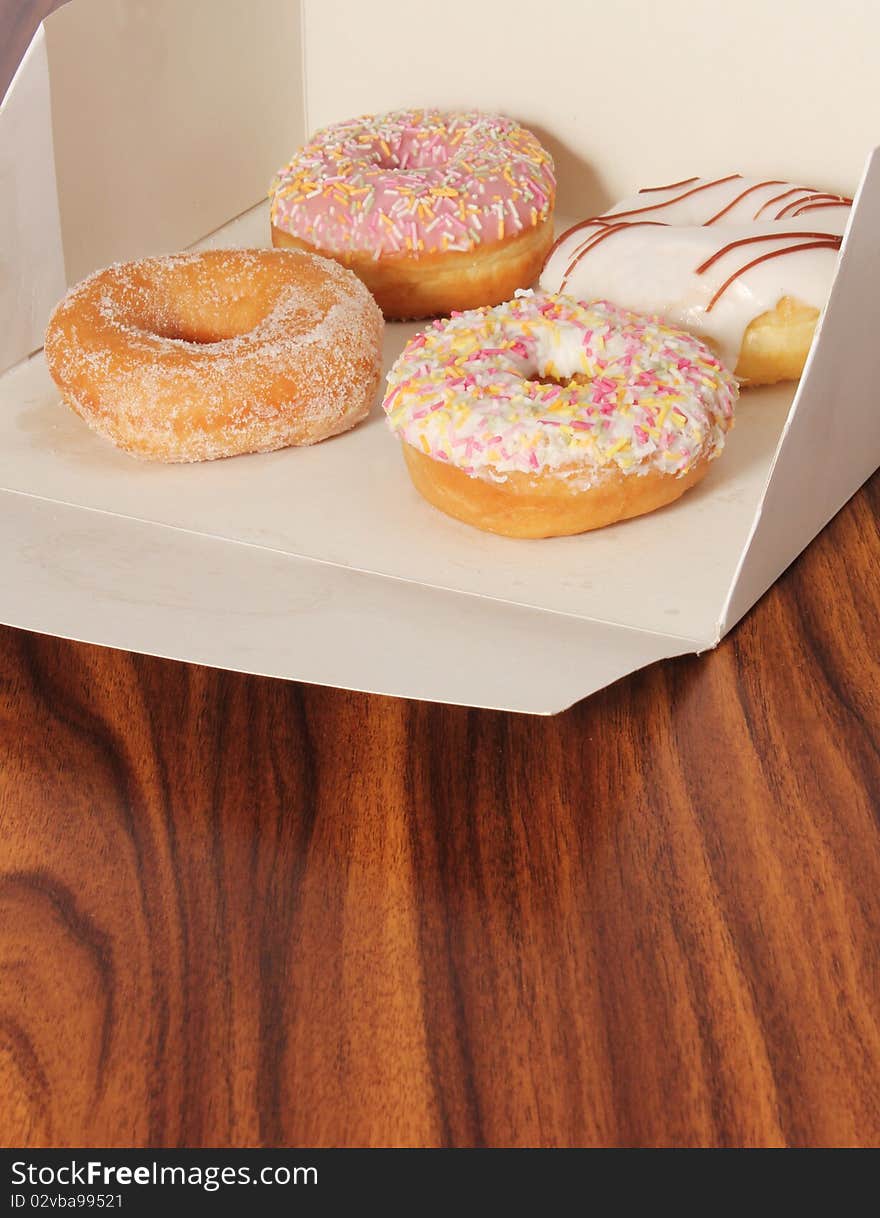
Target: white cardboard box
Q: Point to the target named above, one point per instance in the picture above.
(133, 128)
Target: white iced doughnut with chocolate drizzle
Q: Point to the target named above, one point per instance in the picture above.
(745, 264)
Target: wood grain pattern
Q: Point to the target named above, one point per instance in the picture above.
(235, 911)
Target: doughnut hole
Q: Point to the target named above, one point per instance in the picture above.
(564, 382)
(188, 301)
(411, 153)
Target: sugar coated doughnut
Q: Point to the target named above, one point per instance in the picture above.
(745, 264)
(196, 356)
(435, 211)
(547, 416)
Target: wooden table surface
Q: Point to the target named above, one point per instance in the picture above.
(238, 912)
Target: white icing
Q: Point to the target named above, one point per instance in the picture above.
(469, 391)
(652, 267)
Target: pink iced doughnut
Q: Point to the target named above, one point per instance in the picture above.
(435, 211)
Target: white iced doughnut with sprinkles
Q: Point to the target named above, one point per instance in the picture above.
(433, 210)
(746, 264)
(547, 416)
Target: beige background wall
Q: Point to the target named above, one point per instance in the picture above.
(169, 118)
(627, 93)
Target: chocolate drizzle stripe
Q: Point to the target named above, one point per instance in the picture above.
(821, 194)
(646, 190)
(813, 206)
(789, 249)
(575, 228)
(732, 245)
(738, 199)
(637, 211)
(795, 190)
(598, 238)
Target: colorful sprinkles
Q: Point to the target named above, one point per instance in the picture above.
(493, 391)
(414, 181)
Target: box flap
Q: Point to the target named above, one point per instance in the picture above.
(31, 258)
(96, 578)
(831, 442)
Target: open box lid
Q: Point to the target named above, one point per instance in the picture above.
(184, 112)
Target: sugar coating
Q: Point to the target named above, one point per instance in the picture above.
(480, 391)
(306, 368)
(414, 181)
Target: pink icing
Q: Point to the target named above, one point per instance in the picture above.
(414, 181)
